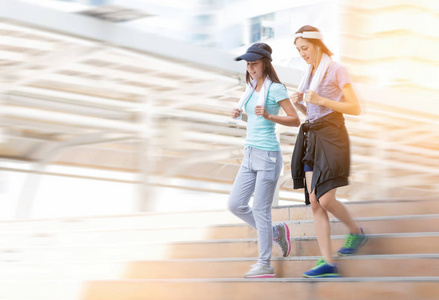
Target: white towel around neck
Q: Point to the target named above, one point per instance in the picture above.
(262, 98)
(324, 64)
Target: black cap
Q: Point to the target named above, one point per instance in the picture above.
(254, 53)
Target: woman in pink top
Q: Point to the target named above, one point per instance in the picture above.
(321, 157)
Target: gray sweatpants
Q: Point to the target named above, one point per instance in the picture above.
(259, 173)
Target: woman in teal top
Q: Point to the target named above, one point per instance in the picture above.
(262, 162)
(261, 132)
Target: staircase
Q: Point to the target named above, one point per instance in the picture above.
(203, 255)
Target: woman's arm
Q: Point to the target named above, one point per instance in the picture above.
(351, 106)
(296, 98)
(301, 108)
(291, 119)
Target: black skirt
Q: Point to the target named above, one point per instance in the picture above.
(324, 146)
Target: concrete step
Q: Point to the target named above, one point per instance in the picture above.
(395, 265)
(377, 288)
(412, 265)
(403, 243)
(213, 218)
(67, 270)
(69, 251)
(55, 289)
(36, 281)
(394, 224)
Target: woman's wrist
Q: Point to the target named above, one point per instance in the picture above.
(322, 101)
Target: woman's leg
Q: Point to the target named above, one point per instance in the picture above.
(268, 165)
(263, 200)
(356, 238)
(335, 207)
(242, 190)
(325, 268)
(321, 223)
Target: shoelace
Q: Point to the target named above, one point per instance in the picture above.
(282, 246)
(320, 262)
(254, 266)
(351, 241)
(276, 238)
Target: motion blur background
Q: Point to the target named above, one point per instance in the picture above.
(122, 106)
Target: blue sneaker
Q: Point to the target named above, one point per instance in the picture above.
(322, 270)
(353, 244)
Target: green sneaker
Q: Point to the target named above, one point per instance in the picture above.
(353, 244)
(322, 270)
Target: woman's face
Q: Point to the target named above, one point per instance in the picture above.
(256, 69)
(307, 51)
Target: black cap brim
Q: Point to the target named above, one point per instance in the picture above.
(250, 57)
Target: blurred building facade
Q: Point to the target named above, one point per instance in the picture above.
(218, 24)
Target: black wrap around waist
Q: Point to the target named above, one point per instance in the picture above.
(324, 146)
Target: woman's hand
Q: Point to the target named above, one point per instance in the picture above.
(260, 111)
(236, 112)
(314, 98)
(296, 97)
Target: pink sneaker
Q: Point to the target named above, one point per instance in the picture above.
(283, 239)
(260, 271)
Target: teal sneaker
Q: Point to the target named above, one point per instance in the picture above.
(353, 244)
(322, 270)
